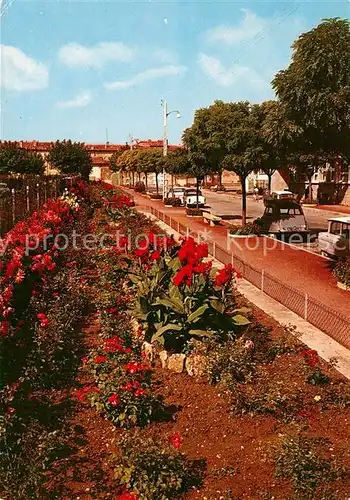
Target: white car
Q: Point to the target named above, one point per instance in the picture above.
(283, 195)
(336, 241)
(188, 196)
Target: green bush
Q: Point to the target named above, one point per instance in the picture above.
(155, 470)
(299, 460)
(342, 271)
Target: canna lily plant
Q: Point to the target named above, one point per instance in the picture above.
(180, 297)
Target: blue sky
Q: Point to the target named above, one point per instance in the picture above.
(72, 69)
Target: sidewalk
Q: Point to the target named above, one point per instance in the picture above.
(306, 272)
(342, 209)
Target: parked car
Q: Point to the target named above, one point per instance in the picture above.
(283, 216)
(188, 196)
(283, 195)
(336, 241)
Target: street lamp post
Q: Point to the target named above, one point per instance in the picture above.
(166, 113)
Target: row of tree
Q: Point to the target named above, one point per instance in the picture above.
(65, 156)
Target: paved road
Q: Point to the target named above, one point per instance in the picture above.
(230, 204)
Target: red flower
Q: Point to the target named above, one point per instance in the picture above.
(183, 275)
(176, 440)
(100, 359)
(135, 367)
(128, 496)
(85, 359)
(224, 276)
(127, 387)
(113, 344)
(140, 392)
(43, 320)
(114, 400)
(156, 255)
(311, 357)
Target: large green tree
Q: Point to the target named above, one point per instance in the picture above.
(151, 161)
(128, 162)
(227, 136)
(16, 160)
(71, 158)
(314, 92)
(177, 163)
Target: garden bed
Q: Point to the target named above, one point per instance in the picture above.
(264, 402)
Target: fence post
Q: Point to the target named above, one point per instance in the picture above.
(306, 306)
(38, 195)
(13, 205)
(27, 199)
(262, 279)
(4, 208)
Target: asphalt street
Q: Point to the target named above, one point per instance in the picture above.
(230, 205)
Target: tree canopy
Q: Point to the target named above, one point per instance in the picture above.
(314, 90)
(71, 158)
(16, 160)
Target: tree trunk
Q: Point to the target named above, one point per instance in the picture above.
(133, 178)
(244, 201)
(310, 189)
(157, 187)
(146, 181)
(220, 178)
(139, 174)
(197, 180)
(269, 182)
(172, 181)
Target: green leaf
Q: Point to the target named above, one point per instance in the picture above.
(175, 294)
(197, 314)
(172, 304)
(200, 333)
(240, 320)
(174, 264)
(135, 279)
(143, 304)
(243, 310)
(217, 305)
(170, 327)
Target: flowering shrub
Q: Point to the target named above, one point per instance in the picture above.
(71, 199)
(179, 296)
(29, 254)
(123, 386)
(154, 469)
(315, 376)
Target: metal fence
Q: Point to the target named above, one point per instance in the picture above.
(331, 322)
(19, 202)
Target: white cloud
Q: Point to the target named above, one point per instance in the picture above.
(76, 55)
(250, 26)
(226, 77)
(81, 100)
(20, 72)
(144, 76)
(164, 56)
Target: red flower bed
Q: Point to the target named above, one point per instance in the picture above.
(29, 254)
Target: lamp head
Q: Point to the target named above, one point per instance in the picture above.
(178, 115)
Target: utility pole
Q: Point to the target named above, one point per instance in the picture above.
(166, 113)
